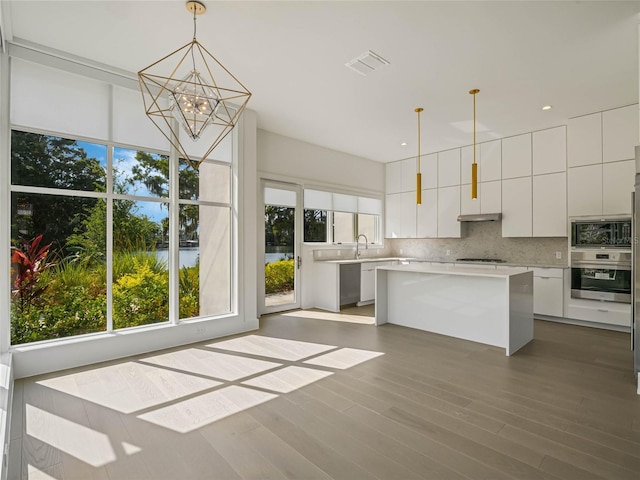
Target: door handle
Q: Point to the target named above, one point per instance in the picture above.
(299, 262)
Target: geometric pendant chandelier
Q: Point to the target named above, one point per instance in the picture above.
(190, 95)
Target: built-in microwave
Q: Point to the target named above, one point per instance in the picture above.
(601, 233)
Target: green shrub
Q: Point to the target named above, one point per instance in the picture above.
(279, 276)
(141, 297)
(189, 291)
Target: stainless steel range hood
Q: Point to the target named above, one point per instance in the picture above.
(481, 217)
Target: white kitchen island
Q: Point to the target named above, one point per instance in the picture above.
(483, 305)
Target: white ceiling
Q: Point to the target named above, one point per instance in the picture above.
(580, 57)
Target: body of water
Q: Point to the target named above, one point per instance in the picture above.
(188, 256)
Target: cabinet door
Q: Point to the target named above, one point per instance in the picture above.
(449, 168)
(584, 140)
(619, 133)
(516, 207)
(409, 171)
(585, 190)
(548, 296)
(490, 194)
(469, 206)
(367, 283)
(427, 217)
(448, 211)
(490, 167)
(429, 169)
(393, 220)
(408, 215)
(550, 205)
(393, 177)
(550, 151)
(618, 180)
(516, 156)
(466, 159)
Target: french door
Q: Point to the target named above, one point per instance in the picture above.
(280, 278)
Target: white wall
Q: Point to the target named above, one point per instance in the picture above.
(284, 156)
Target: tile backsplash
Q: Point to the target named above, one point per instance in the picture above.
(484, 240)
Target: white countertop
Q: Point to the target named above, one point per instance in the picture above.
(458, 270)
(366, 260)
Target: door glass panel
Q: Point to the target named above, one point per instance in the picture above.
(280, 242)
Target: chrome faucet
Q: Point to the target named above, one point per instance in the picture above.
(358, 244)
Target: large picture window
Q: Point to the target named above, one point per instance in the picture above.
(82, 209)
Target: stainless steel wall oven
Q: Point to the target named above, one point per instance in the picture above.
(601, 275)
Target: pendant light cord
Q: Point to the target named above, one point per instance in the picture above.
(474, 127)
(418, 110)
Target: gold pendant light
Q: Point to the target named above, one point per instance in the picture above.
(190, 91)
(418, 175)
(474, 165)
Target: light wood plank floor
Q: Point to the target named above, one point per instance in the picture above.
(306, 399)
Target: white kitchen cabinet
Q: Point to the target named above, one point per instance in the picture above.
(469, 206)
(490, 194)
(393, 214)
(548, 291)
(550, 150)
(584, 190)
(466, 159)
(584, 140)
(427, 215)
(516, 156)
(618, 180)
(619, 133)
(448, 211)
(429, 169)
(490, 167)
(550, 205)
(608, 313)
(368, 280)
(449, 168)
(516, 207)
(393, 177)
(409, 171)
(408, 214)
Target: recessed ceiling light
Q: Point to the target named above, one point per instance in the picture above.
(546, 107)
(404, 144)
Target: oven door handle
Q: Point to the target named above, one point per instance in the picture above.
(601, 266)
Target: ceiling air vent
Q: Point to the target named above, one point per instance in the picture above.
(367, 63)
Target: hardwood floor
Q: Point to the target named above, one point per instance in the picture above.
(307, 399)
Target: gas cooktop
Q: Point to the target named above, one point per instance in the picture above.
(487, 260)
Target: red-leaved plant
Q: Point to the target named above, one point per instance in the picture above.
(28, 261)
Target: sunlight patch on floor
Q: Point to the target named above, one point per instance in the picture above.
(277, 348)
(287, 379)
(344, 358)
(93, 448)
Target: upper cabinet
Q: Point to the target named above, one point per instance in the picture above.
(448, 211)
(550, 151)
(619, 133)
(393, 177)
(466, 159)
(449, 168)
(584, 140)
(490, 161)
(516, 156)
(429, 169)
(409, 171)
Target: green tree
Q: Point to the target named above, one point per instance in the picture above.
(54, 162)
(279, 225)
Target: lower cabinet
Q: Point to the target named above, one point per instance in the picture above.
(368, 280)
(607, 313)
(548, 291)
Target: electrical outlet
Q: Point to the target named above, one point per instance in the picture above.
(559, 255)
(319, 253)
(201, 331)
(401, 251)
(339, 252)
(448, 252)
